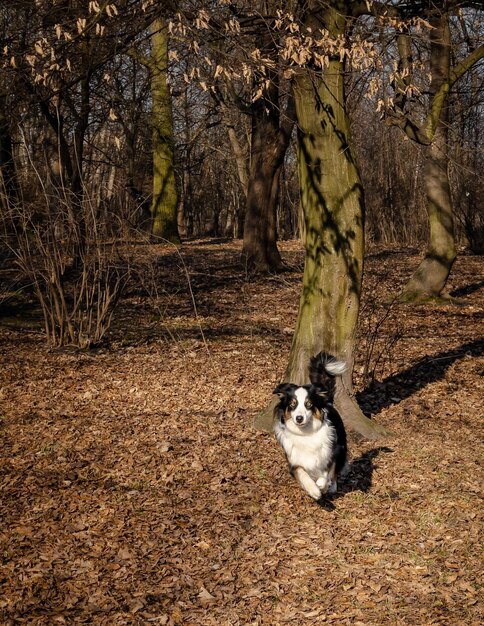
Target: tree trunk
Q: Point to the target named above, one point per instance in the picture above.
(8, 176)
(271, 134)
(431, 275)
(240, 151)
(77, 180)
(259, 250)
(164, 204)
(333, 206)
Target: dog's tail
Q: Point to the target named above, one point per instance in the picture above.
(323, 368)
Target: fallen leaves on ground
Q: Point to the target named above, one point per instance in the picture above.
(135, 490)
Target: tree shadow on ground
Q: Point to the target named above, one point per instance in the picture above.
(358, 477)
(386, 254)
(424, 372)
(210, 241)
(467, 290)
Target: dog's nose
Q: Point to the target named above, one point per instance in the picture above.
(299, 419)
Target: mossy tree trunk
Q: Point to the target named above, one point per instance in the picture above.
(333, 206)
(430, 277)
(165, 198)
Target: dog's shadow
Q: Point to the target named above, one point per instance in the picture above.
(357, 477)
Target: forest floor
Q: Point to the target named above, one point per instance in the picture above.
(135, 489)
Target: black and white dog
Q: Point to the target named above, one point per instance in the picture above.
(310, 429)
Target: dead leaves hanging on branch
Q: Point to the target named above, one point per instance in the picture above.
(226, 47)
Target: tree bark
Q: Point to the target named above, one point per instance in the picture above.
(333, 206)
(165, 198)
(429, 279)
(8, 180)
(260, 252)
(431, 275)
(271, 133)
(79, 137)
(77, 178)
(240, 151)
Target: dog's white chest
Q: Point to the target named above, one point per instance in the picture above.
(312, 452)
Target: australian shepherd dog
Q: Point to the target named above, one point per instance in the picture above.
(310, 429)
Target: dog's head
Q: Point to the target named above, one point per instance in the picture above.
(301, 406)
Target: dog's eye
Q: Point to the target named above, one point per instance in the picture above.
(308, 404)
(293, 404)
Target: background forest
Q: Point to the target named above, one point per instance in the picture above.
(188, 190)
(128, 117)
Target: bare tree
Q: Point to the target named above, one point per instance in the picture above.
(165, 199)
(430, 277)
(333, 204)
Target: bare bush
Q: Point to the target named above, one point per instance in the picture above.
(76, 269)
(380, 330)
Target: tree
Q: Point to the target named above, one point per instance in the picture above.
(430, 277)
(271, 114)
(332, 201)
(8, 177)
(467, 158)
(165, 198)
(271, 133)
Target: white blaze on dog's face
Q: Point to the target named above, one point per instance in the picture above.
(300, 407)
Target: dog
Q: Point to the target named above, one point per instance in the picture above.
(310, 429)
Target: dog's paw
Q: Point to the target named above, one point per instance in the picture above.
(322, 483)
(332, 487)
(314, 491)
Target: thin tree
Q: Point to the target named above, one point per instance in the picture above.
(431, 275)
(271, 133)
(8, 175)
(165, 197)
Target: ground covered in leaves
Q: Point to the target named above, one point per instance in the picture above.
(135, 490)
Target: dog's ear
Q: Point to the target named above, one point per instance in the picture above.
(282, 390)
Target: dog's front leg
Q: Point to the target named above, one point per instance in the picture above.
(322, 482)
(307, 483)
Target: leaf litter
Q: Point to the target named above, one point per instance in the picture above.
(136, 491)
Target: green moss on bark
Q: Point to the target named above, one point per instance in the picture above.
(333, 206)
(165, 197)
(430, 277)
